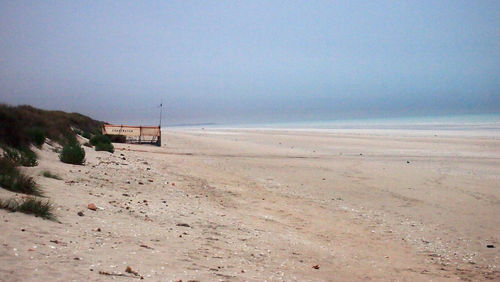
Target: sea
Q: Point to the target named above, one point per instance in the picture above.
(482, 122)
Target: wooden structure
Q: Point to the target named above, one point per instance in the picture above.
(135, 134)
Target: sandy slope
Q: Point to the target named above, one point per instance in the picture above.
(256, 205)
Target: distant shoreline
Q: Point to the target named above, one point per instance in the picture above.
(485, 122)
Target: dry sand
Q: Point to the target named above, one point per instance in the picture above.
(267, 205)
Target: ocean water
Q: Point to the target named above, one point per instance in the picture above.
(483, 122)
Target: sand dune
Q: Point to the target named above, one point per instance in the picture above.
(267, 204)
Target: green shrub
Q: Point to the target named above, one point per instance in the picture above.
(117, 138)
(29, 206)
(99, 138)
(36, 135)
(49, 174)
(87, 144)
(86, 134)
(72, 153)
(105, 147)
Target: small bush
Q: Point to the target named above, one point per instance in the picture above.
(105, 147)
(117, 138)
(99, 138)
(72, 153)
(87, 144)
(86, 134)
(36, 135)
(29, 206)
(102, 143)
(48, 174)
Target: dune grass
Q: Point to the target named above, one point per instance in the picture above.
(13, 180)
(24, 156)
(32, 206)
(26, 185)
(21, 126)
(49, 174)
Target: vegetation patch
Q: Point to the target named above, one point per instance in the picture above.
(102, 143)
(77, 131)
(8, 171)
(33, 206)
(105, 147)
(13, 180)
(49, 174)
(72, 153)
(117, 138)
(22, 126)
(36, 135)
(26, 185)
(99, 138)
(24, 156)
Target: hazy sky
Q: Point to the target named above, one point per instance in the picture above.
(237, 61)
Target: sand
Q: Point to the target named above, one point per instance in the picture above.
(248, 204)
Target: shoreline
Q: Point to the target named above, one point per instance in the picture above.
(471, 122)
(488, 133)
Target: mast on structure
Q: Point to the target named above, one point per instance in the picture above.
(161, 110)
(158, 142)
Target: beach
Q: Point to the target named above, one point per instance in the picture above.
(267, 204)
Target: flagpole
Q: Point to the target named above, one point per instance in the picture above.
(161, 109)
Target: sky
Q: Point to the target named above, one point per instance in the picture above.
(251, 61)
